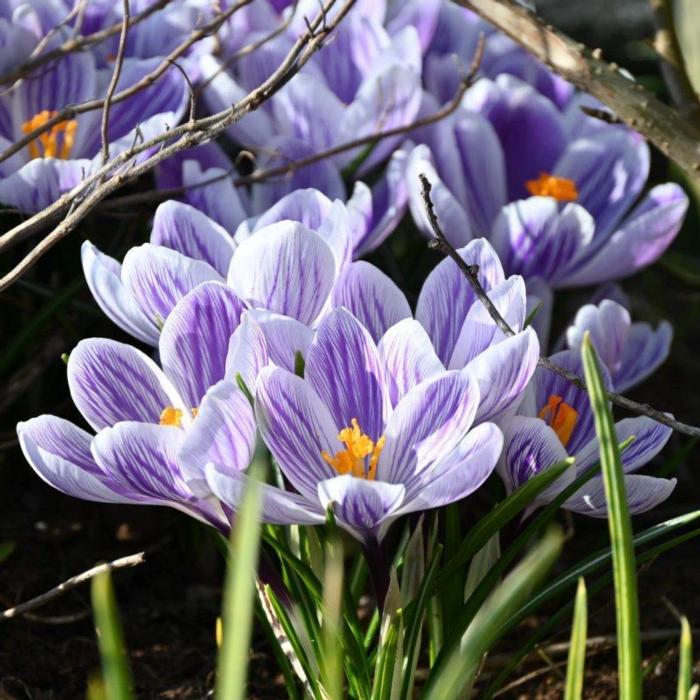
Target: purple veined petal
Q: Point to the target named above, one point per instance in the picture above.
(278, 507)
(536, 237)
(609, 325)
(540, 302)
(472, 164)
(426, 425)
(546, 384)
(503, 372)
(610, 170)
(642, 237)
(309, 111)
(480, 331)
(388, 203)
(389, 99)
(296, 427)
(421, 14)
(361, 211)
(157, 278)
(212, 191)
(461, 473)
(103, 275)
(183, 228)
(195, 339)
(222, 91)
(323, 175)
(335, 229)
(59, 452)
(529, 126)
(408, 357)
(451, 215)
(286, 268)
(112, 382)
(344, 369)
(361, 506)
(645, 351)
(72, 79)
(223, 433)
(41, 182)
(308, 206)
(247, 352)
(284, 337)
(169, 173)
(532, 447)
(650, 438)
(371, 296)
(446, 296)
(643, 494)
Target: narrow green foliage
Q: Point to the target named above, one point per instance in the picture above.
(244, 388)
(577, 651)
(299, 364)
(685, 663)
(239, 591)
(620, 527)
(116, 677)
(332, 627)
(6, 549)
(455, 677)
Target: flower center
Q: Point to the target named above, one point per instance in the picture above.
(561, 417)
(173, 416)
(547, 185)
(57, 142)
(353, 459)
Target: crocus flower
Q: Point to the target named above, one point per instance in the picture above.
(630, 351)
(365, 81)
(555, 420)
(340, 443)
(155, 429)
(452, 328)
(60, 158)
(508, 142)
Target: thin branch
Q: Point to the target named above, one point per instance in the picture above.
(73, 582)
(76, 44)
(673, 135)
(118, 63)
(80, 200)
(441, 244)
(672, 63)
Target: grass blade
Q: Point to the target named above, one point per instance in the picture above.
(116, 675)
(629, 649)
(685, 663)
(577, 651)
(239, 597)
(457, 674)
(332, 626)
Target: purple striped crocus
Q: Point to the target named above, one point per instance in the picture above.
(342, 442)
(555, 420)
(155, 429)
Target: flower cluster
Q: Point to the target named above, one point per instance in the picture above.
(261, 321)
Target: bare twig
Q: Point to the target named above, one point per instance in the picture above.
(441, 244)
(73, 582)
(673, 135)
(85, 196)
(118, 63)
(77, 43)
(672, 63)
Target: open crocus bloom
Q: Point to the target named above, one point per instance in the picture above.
(286, 267)
(555, 420)
(340, 441)
(630, 351)
(61, 157)
(507, 142)
(452, 328)
(156, 429)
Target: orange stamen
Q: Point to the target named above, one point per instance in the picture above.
(173, 416)
(358, 446)
(547, 185)
(57, 142)
(561, 417)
